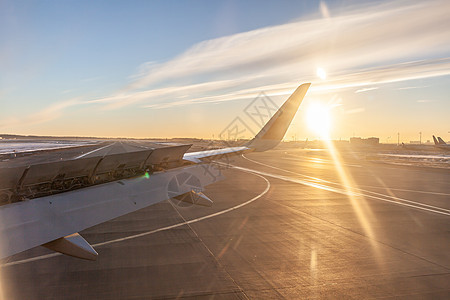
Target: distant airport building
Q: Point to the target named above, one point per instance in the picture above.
(357, 141)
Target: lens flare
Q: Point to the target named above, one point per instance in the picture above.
(362, 211)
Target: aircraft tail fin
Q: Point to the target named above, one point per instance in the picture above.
(273, 132)
(435, 140)
(441, 141)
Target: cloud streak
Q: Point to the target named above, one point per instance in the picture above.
(47, 114)
(409, 40)
(366, 90)
(364, 77)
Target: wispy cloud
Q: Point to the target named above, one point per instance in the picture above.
(413, 87)
(48, 113)
(284, 56)
(51, 112)
(366, 90)
(199, 95)
(367, 45)
(424, 101)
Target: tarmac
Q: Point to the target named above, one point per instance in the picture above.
(294, 224)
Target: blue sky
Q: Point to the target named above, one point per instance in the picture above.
(187, 68)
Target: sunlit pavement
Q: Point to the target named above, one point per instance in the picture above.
(311, 230)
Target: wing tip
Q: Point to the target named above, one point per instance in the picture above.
(274, 130)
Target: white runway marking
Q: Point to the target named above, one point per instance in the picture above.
(368, 186)
(322, 161)
(95, 150)
(358, 192)
(334, 183)
(406, 190)
(23, 261)
(355, 188)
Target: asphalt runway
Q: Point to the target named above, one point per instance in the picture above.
(99, 148)
(295, 224)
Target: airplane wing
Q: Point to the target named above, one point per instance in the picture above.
(49, 203)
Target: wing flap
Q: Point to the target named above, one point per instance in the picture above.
(74, 245)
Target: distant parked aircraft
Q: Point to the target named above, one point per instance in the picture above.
(439, 143)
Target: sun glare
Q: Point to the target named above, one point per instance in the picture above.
(321, 73)
(319, 119)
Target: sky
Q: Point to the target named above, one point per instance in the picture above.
(163, 69)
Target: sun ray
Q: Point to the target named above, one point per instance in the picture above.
(358, 203)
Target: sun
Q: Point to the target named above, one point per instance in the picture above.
(321, 73)
(318, 119)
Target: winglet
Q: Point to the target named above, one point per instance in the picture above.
(274, 130)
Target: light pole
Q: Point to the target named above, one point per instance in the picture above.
(420, 138)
